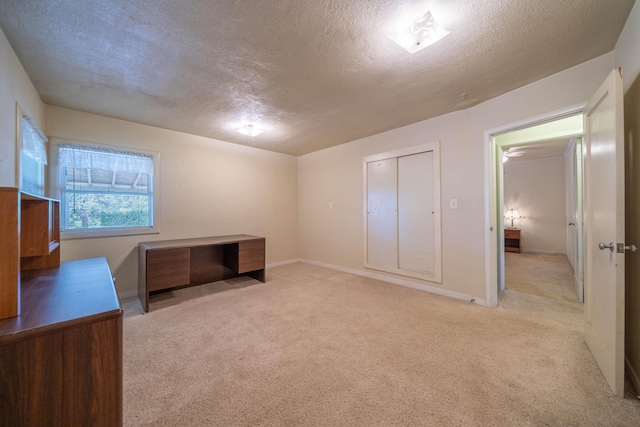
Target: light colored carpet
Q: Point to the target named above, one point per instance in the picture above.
(540, 274)
(317, 347)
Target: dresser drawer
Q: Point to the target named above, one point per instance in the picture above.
(167, 268)
(511, 234)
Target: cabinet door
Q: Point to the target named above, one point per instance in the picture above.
(167, 268)
(251, 255)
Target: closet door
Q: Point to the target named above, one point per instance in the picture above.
(402, 212)
(382, 213)
(416, 242)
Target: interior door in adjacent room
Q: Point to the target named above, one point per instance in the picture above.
(604, 229)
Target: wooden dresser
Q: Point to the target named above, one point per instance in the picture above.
(169, 264)
(61, 359)
(60, 324)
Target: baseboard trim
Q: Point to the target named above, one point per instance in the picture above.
(280, 263)
(542, 251)
(397, 281)
(633, 375)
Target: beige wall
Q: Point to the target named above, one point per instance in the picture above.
(207, 187)
(15, 87)
(627, 54)
(335, 175)
(632, 232)
(537, 190)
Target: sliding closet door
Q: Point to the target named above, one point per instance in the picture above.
(416, 243)
(402, 212)
(382, 206)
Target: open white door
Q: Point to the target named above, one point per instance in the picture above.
(604, 229)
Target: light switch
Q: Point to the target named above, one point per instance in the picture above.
(330, 205)
(453, 204)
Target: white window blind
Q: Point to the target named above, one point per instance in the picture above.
(33, 157)
(105, 188)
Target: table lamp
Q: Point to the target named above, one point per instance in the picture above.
(512, 214)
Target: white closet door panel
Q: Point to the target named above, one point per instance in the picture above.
(416, 240)
(382, 211)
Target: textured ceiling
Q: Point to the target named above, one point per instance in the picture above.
(315, 73)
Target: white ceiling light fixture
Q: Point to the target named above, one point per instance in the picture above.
(422, 32)
(250, 130)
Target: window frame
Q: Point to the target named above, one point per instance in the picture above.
(19, 169)
(55, 184)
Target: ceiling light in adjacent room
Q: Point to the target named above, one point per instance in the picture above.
(422, 32)
(250, 130)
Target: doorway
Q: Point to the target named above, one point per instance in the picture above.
(535, 141)
(543, 211)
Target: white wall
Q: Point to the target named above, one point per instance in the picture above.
(207, 188)
(536, 189)
(335, 175)
(15, 87)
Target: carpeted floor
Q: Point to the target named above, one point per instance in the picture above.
(545, 275)
(317, 347)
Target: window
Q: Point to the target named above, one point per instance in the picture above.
(105, 191)
(33, 157)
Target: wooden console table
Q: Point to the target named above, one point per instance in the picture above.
(169, 264)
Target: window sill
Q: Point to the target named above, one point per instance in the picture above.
(110, 232)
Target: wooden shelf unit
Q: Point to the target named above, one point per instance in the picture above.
(512, 240)
(170, 264)
(31, 226)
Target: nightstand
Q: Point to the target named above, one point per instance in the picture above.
(512, 240)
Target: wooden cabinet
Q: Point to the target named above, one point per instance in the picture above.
(250, 256)
(9, 254)
(512, 240)
(30, 225)
(173, 263)
(39, 232)
(167, 268)
(61, 358)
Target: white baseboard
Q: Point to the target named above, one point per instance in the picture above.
(633, 375)
(542, 251)
(279, 263)
(398, 281)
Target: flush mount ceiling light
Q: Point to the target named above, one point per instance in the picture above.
(422, 32)
(250, 130)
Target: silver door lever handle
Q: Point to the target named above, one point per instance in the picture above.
(603, 246)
